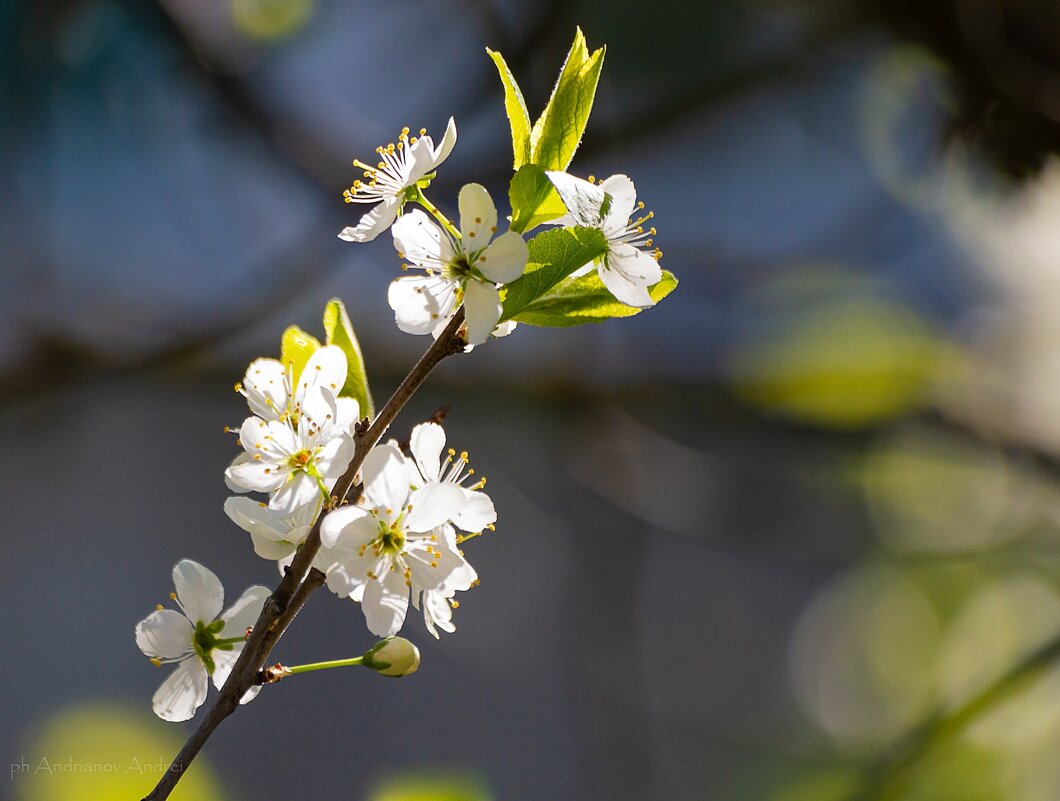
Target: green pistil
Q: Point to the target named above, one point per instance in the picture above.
(205, 641)
(391, 538)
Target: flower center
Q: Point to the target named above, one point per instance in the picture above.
(458, 268)
(299, 460)
(392, 540)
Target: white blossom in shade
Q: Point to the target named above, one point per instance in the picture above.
(202, 641)
(630, 265)
(464, 271)
(275, 534)
(401, 166)
(389, 546)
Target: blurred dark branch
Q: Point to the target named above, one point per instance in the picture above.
(889, 776)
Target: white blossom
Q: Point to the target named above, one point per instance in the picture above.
(275, 534)
(465, 270)
(401, 166)
(390, 545)
(629, 266)
(298, 443)
(202, 641)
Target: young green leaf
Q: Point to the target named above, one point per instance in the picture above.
(534, 199)
(554, 254)
(558, 131)
(515, 106)
(296, 346)
(585, 299)
(340, 332)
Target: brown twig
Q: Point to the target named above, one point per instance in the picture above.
(294, 588)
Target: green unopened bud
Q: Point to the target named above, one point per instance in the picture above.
(394, 656)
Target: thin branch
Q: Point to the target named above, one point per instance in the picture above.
(291, 593)
(885, 777)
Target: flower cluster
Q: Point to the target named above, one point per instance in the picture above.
(401, 539)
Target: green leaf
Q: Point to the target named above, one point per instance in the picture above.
(533, 198)
(515, 106)
(340, 332)
(554, 254)
(586, 300)
(558, 131)
(296, 346)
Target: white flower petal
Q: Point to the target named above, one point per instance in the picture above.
(326, 369)
(199, 591)
(505, 259)
(437, 612)
(256, 518)
(623, 202)
(386, 482)
(482, 309)
(373, 223)
(242, 458)
(478, 217)
(416, 307)
(224, 661)
(434, 505)
(625, 290)
(348, 528)
(421, 241)
(244, 612)
(182, 693)
(347, 413)
(335, 456)
(636, 265)
(265, 384)
(426, 443)
(256, 476)
(385, 603)
(270, 549)
(299, 490)
(445, 147)
(476, 513)
(165, 634)
(583, 200)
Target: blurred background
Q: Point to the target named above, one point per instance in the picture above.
(749, 540)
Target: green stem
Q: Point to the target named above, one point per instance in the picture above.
(888, 776)
(423, 201)
(334, 663)
(229, 641)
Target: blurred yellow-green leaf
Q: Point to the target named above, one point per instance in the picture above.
(340, 332)
(843, 365)
(431, 787)
(99, 752)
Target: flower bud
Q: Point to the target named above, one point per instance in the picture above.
(394, 656)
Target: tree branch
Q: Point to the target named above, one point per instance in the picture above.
(884, 778)
(294, 588)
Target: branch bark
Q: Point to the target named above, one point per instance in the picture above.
(299, 582)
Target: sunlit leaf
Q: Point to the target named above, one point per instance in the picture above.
(296, 346)
(515, 106)
(585, 299)
(554, 255)
(340, 332)
(558, 131)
